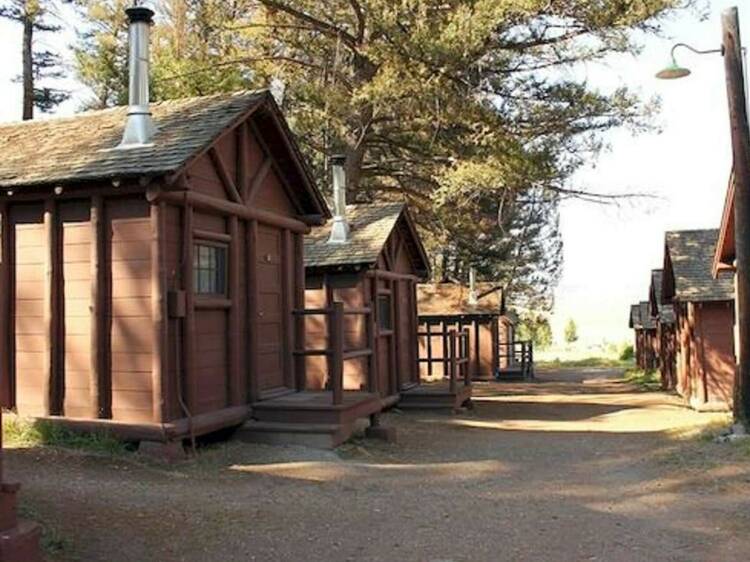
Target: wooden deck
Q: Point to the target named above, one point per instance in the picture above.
(309, 418)
(436, 395)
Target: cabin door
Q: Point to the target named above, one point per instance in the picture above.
(406, 330)
(386, 338)
(271, 323)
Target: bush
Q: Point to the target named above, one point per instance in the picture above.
(627, 353)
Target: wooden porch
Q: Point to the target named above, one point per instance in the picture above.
(452, 390)
(319, 418)
(515, 361)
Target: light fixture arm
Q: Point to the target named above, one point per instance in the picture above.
(696, 51)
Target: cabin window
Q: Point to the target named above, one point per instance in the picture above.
(210, 269)
(385, 320)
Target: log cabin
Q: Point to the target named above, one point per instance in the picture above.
(704, 319)
(663, 315)
(152, 264)
(370, 258)
(644, 327)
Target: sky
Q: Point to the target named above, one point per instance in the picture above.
(609, 251)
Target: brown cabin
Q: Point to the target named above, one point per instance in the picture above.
(490, 325)
(663, 315)
(150, 289)
(376, 270)
(644, 326)
(704, 319)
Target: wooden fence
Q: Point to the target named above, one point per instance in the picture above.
(335, 352)
(516, 358)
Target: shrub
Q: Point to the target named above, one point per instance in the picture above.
(627, 353)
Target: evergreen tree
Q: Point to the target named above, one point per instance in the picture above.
(36, 16)
(571, 331)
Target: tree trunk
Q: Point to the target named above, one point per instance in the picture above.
(28, 68)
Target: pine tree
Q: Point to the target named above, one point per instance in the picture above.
(571, 331)
(36, 16)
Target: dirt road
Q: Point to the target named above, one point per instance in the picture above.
(578, 466)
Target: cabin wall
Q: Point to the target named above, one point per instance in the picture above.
(667, 356)
(100, 317)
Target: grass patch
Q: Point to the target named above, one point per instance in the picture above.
(645, 379)
(604, 362)
(19, 432)
(53, 543)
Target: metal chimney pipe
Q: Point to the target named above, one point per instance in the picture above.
(340, 227)
(472, 287)
(139, 127)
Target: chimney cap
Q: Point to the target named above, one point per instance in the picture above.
(337, 159)
(139, 14)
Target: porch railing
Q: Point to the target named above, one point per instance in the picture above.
(454, 357)
(335, 351)
(517, 356)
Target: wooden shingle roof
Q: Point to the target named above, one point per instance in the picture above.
(370, 226)
(635, 317)
(690, 256)
(648, 322)
(83, 147)
(453, 298)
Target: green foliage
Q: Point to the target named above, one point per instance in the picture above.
(53, 543)
(628, 353)
(585, 362)
(466, 109)
(571, 331)
(19, 432)
(645, 379)
(537, 329)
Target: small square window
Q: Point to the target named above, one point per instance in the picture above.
(384, 312)
(210, 269)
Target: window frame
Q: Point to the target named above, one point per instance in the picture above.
(220, 270)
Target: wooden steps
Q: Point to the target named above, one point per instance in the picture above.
(435, 396)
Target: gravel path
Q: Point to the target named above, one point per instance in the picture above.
(578, 466)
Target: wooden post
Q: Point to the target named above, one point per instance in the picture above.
(467, 372)
(50, 404)
(495, 346)
(477, 354)
(453, 365)
(252, 309)
(98, 401)
(190, 383)
(235, 376)
(300, 365)
(336, 338)
(446, 345)
(6, 364)
(158, 313)
(740, 133)
(287, 306)
(428, 325)
(371, 360)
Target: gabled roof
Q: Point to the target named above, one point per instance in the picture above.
(370, 226)
(83, 147)
(635, 317)
(688, 262)
(666, 314)
(661, 311)
(453, 298)
(648, 322)
(725, 253)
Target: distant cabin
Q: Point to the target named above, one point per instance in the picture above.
(149, 290)
(704, 318)
(491, 326)
(644, 326)
(377, 269)
(663, 314)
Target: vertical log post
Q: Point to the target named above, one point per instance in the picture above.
(158, 313)
(252, 309)
(495, 346)
(453, 363)
(467, 372)
(371, 359)
(300, 364)
(98, 401)
(235, 376)
(287, 306)
(740, 133)
(188, 333)
(50, 404)
(428, 325)
(446, 344)
(6, 364)
(336, 336)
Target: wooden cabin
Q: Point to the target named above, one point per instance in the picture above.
(704, 319)
(150, 290)
(493, 349)
(644, 327)
(375, 270)
(663, 315)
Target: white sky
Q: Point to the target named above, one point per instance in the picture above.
(608, 251)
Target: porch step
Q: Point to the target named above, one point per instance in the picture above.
(434, 399)
(315, 435)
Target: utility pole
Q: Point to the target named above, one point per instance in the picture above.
(741, 154)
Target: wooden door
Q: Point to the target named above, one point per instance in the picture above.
(387, 382)
(30, 344)
(270, 321)
(406, 332)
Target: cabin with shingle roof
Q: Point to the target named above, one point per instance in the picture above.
(704, 318)
(644, 327)
(663, 314)
(376, 268)
(150, 289)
